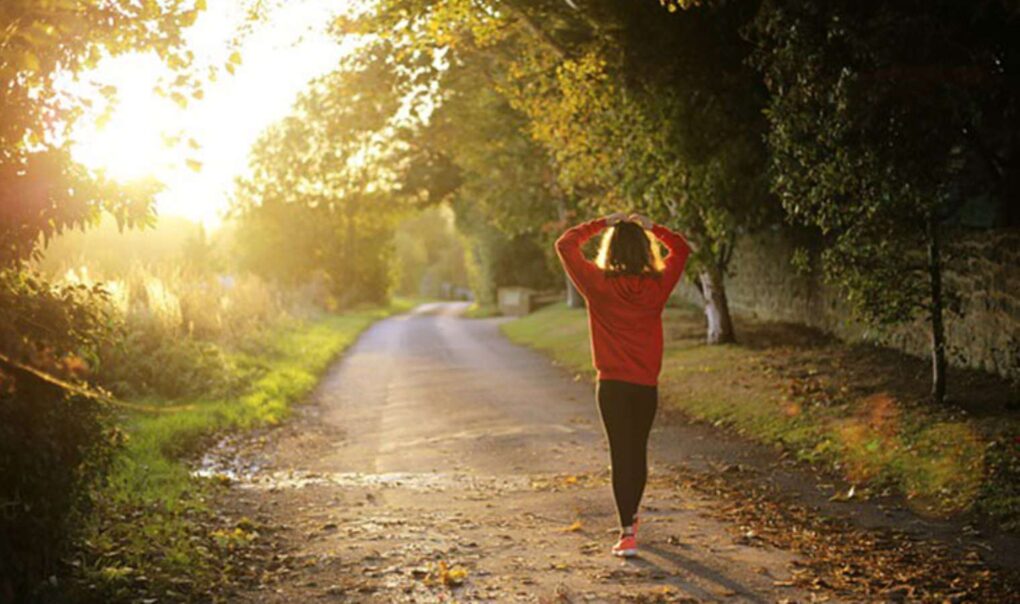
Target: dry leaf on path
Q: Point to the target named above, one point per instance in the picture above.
(573, 528)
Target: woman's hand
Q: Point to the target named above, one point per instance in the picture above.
(645, 222)
(615, 218)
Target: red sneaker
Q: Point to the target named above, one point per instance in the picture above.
(626, 547)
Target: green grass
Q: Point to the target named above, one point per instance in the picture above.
(152, 520)
(482, 311)
(805, 398)
(558, 331)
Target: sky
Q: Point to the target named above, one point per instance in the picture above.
(279, 57)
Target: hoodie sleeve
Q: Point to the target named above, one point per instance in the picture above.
(679, 250)
(582, 271)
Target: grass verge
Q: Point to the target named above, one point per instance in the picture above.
(153, 533)
(481, 311)
(859, 410)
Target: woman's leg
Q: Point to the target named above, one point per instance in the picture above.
(627, 412)
(647, 399)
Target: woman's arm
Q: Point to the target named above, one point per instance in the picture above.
(582, 271)
(679, 250)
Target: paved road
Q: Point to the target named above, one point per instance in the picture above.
(436, 443)
(429, 392)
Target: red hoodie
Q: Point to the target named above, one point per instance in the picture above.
(624, 312)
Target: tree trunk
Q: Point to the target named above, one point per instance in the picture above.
(574, 298)
(938, 330)
(717, 309)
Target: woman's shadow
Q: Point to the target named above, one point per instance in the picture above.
(677, 561)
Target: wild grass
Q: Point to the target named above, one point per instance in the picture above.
(859, 412)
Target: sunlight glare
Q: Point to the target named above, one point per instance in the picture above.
(130, 146)
(283, 53)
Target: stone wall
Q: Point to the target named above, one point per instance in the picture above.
(984, 270)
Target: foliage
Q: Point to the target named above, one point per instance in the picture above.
(55, 328)
(496, 259)
(146, 362)
(632, 108)
(43, 190)
(54, 447)
(164, 323)
(472, 151)
(54, 442)
(136, 336)
(509, 204)
(658, 113)
(503, 173)
(322, 198)
(884, 120)
(429, 254)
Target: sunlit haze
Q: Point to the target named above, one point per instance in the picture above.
(279, 57)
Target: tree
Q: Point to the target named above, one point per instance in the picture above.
(42, 190)
(429, 254)
(323, 194)
(657, 112)
(505, 198)
(703, 164)
(634, 106)
(55, 439)
(884, 120)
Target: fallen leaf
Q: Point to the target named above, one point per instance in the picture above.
(573, 528)
(844, 496)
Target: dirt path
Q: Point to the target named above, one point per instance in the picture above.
(439, 462)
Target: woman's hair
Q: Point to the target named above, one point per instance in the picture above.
(627, 249)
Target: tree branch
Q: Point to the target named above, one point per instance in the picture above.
(533, 28)
(23, 370)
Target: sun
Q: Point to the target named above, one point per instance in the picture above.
(132, 144)
(148, 135)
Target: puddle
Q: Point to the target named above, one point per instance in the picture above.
(225, 461)
(228, 460)
(419, 481)
(234, 460)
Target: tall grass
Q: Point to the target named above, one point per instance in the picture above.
(175, 326)
(177, 301)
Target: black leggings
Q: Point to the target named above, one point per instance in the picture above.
(627, 412)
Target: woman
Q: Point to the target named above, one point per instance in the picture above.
(626, 290)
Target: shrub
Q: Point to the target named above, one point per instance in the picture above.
(149, 362)
(53, 447)
(54, 438)
(171, 321)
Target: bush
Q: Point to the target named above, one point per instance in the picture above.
(53, 447)
(54, 440)
(171, 322)
(147, 362)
